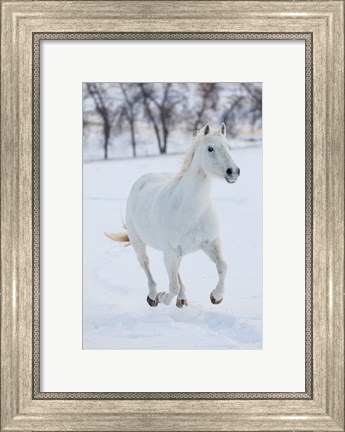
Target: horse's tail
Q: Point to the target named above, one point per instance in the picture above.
(121, 237)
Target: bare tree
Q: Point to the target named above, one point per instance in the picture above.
(162, 106)
(109, 108)
(129, 110)
(208, 96)
(104, 108)
(254, 91)
(232, 115)
(145, 91)
(244, 106)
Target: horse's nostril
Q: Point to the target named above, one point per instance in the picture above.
(238, 171)
(229, 171)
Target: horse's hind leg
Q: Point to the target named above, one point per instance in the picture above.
(140, 250)
(171, 264)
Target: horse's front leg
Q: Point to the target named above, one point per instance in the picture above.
(182, 296)
(171, 264)
(214, 251)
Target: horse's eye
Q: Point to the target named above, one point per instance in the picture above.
(210, 149)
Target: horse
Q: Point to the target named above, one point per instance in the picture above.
(174, 213)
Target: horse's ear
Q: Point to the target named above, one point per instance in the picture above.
(207, 129)
(223, 129)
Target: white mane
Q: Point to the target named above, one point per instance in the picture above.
(188, 158)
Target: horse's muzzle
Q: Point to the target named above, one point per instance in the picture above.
(232, 175)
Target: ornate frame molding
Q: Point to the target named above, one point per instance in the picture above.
(321, 25)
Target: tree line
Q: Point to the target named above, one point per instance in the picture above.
(165, 106)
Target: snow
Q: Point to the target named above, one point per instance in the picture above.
(115, 312)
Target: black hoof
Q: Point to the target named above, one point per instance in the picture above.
(214, 301)
(181, 302)
(152, 303)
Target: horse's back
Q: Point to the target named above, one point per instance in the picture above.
(148, 185)
(141, 206)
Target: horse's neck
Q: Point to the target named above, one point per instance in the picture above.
(196, 185)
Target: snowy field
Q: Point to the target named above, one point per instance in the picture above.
(115, 312)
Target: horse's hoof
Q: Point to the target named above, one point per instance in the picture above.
(181, 302)
(213, 300)
(152, 303)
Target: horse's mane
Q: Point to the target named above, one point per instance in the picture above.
(187, 159)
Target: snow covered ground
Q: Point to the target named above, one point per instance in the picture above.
(115, 312)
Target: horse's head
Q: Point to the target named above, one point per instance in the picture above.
(214, 153)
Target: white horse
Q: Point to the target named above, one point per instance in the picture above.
(175, 214)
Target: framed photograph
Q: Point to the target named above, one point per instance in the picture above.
(172, 224)
(146, 117)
